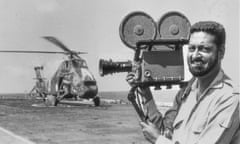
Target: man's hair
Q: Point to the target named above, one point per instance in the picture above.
(211, 27)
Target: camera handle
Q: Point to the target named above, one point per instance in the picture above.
(132, 98)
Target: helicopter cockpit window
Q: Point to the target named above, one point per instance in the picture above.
(87, 76)
(66, 66)
(84, 64)
(80, 63)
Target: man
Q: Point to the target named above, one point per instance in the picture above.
(207, 110)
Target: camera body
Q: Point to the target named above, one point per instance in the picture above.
(162, 67)
(158, 47)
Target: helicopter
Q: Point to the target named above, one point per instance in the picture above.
(72, 78)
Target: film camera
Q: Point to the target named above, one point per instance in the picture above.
(158, 48)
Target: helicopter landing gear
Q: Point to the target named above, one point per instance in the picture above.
(96, 101)
(51, 100)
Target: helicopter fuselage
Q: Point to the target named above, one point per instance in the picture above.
(73, 79)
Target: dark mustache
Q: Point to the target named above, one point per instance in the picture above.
(197, 60)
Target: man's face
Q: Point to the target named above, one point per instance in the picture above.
(202, 54)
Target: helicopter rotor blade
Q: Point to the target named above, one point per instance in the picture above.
(61, 45)
(45, 52)
(57, 43)
(81, 52)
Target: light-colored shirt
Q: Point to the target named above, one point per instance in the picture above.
(212, 118)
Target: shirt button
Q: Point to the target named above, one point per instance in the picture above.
(177, 142)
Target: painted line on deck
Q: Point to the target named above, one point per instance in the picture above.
(8, 137)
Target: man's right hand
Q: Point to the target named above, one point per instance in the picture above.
(144, 92)
(134, 75)
(131, 78)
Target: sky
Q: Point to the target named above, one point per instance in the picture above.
(93, 26)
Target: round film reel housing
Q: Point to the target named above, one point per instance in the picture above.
(137, 26)
(174, 25)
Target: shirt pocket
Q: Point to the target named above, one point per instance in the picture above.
(177, 123)
(198, 126)
(226, 123)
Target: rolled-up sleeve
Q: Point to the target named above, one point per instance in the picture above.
(164, 123)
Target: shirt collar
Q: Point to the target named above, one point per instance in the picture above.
(218, 82)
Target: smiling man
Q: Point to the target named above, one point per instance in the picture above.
(207, 110)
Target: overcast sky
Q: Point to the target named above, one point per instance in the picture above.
(93, 26)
